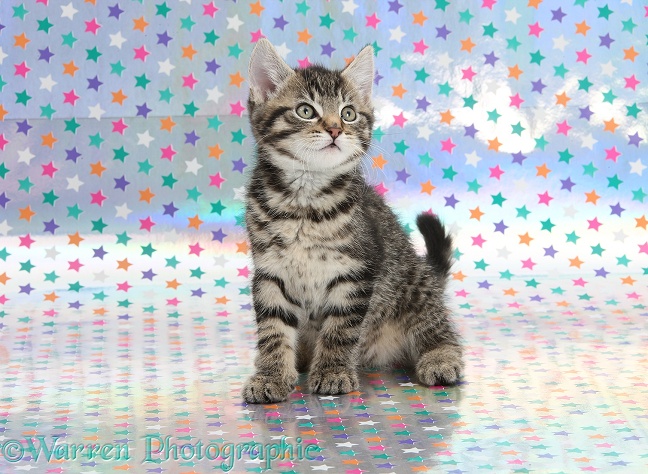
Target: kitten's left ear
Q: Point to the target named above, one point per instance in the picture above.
(268, 72)
(360, 71)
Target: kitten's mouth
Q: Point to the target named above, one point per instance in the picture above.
(331, 146)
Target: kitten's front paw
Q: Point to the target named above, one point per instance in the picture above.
(333, 381)
(440, 366)
(264, 389)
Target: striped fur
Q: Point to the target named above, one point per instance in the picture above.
(337, 283)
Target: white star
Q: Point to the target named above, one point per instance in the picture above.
(424, 132)
(413, 450)
(328, 397)
(234, 23)
(100, 276)
(432, 428)
(349, 6)
(47, 83)
(239, 193)
(629, 2)
(117, 40)
(408, 384)
(620, 236)
(96, 111)
(4, 227)
(608, 69)
(166, 67)
(144, 139)
(25, 156)
(214, 94)
(570, 211)
(503, 253)
(217, 433)
(589, 141)
(51, 253)
(637, 167)
(370, 423)
(123, 211)
(512, 15)
(345, 445)
(444, 60)
(396, 34)
(283, 50)
(3, 55)
(220, 260)
(193, 166)
(323, 467)
(74, 183)
(560, 43)
(472, 159)
(68, 11)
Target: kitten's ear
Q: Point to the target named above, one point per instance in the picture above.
(267, 71)
(360, 71)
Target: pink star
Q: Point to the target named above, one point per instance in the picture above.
(216, 180)
(119, 126)
(488, 4)
(3, 299)
(594, 224)
(633, 296)
(237, 108)
(97, 198)
(631, 82)
(26, 241)
(189, 81)
(21, 69)
(563, 127)
(146, 224)
(372, 21)
(643, 248)
(244, 272)
(195, 249)
(478, 241)
(75, 265)
(528, 264)
(173, 302)
(516, 101)
(123, 286)
(579, 282)
(70, 97)
(49, 169)
(304, 63)
(257, 35)
(209, 9)
(544, 198)
(583, 56)
(420, 47)
(399, 120)
(3, 142)
(496, 172)
(168, 153)
(468, 73)
(92, 26)
(612, 154)
(381, 189)
(535, 30)
(447, 145)
(141, 53)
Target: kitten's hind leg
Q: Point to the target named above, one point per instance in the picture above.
(442, 365)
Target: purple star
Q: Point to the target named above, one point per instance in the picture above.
(558, 15)
(537, 86)
(537, 298)
(485, 284)
(50, 226)
(219, 235)
(164, 38)
(100, 253)
(394, 6)
(518, 157)
(4, 200)
(148, 275)
(635, 139)
(115, 11)
(491, 58)
(121, 183)
(280, 22)
(170, 209)
(402, 175)
(239, 165)
(422, 103)
(451, 201)
(199, 292)
(212, 66)
(500, 226)
(45, 54)
(327, 49)
(550, 252)
(567, 184)
(443, 32)
(2, 27)
(470, 131)
(377, 78)
(617, 209)
(191, 137)
(248, 307)
(143, 110)
(26, 289)
(585, 113)
(94, 83)
(75, 305)
(72, 154)
(24, 127)
(606, 40)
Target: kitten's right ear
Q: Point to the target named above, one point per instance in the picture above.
(267, 72)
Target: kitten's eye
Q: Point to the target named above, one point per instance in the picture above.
(348, 114)
(305, 111)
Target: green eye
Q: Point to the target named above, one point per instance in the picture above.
(348, 114)
(305, 111)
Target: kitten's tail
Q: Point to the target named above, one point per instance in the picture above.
(437, 241)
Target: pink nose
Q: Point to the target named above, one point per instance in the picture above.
(334, 132)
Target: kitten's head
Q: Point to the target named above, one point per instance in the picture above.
(312, 118)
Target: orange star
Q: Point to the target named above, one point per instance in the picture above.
(543, 170)
(534, 3)
(21, 41)
(4, 278)
(119, 97)
(582, 28)
(562, 99)
(123, 264)
(446, 117)
(242, 247)
(641, 221)
(525, 239)
(215, 151)
(515, 72)
(458, 276)
(70, 68)
(195, 222)
(188, 52)
(48, 140)
(427, 187)
(628, 280)
(304, 36)
(146, 195)
(236, 79)
(97, 168)
(575, 262)
(222, 300)
(26, 213)
(510, 292)
(419, 18)
(467, 45)
(173, 284)
(630, 53)
(75, 239)
(51, 297)
(592, 197)
(476, 213)
(140, 24)
(167, 124)
(379, 161)
(3, 113)
(494, 144)
(610, 125)
(398, 91)
(256, 8)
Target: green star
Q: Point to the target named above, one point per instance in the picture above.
(2, 84)
(572, 237)
(217, 207)
(397, 62)
(481, 265)
(44, 25)
(145, 166)
(99, 296)
(47, 111)
(633, 110)
(532, 283)
(565, 155)
(211, 37)
(26, 266)
(71, 125)
(123, 238)
(536, 57)
(629, 25)
(547, 225)
(474, 186)
(190, 109)
(489, 30)
(172, 262)
(623, 260)
(75, 286)
(614, 182)
(377, 49)
(165, 95)
(609, 96)
(445, 89)
(557, 291)
(326, 21)
(498, 199)
(541, 142)
(221, 282)
(238, 136)
(74, 211)
(142, 81)
(162, 10)
(124, 304)
(493, 115)
(522, 212)
(378, 134)
(193, 194)
(187, 23)
(517, 128)
(512, 43)
(148, 250)
(197, 273)
(3, 170)
(449, 173)
(98, 225)
(421, 75)
(469, 101)
(400, 147)
(605, 12)
(49, 198)
(214, 122)
(20, 11)
(302, 8)
(465, 16)
(93, 54)
(639, 195)
(234, 51)
(597, 250)
(589, 169)
(560, 71)
(52, 276)
(22, 97)
(350, 34)
(120, 154)
(169, 180)
(580, 2)
(25, 184)
(425, 159)
(117, 68)
(96, 140)
(4, 254)
(68, 40)
(240, 219)
(441, 4)
(584, 84)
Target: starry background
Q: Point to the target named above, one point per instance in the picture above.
(124, 151)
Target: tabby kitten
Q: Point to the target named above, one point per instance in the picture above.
(337, 283)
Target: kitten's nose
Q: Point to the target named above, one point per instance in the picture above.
(334, 132)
